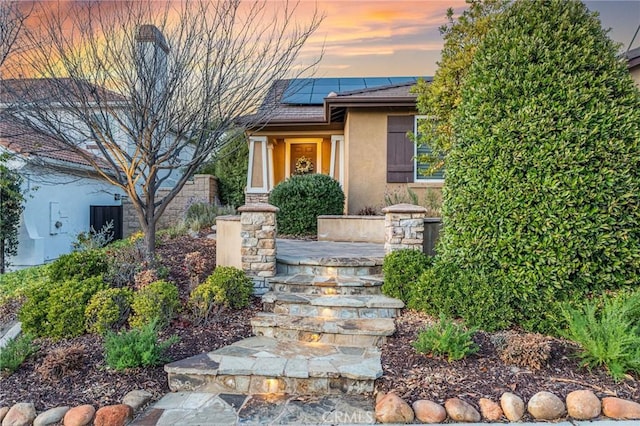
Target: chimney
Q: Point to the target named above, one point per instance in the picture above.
(152, 58)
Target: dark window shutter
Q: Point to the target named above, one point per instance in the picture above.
(399, 149)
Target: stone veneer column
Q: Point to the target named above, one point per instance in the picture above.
(404, 227)
(258, 248)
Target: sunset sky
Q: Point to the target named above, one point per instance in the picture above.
(385, 38)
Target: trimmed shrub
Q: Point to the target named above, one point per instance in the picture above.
(302, 198)
(158, 302)
(227, 287)
(15, 352)
(138, 347)
(608, 332)
(78, 265)
(401, 269)
(58, 310)
(446, 338)
(543, 182)
(108, 310)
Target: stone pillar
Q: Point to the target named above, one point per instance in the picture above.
(258, 248)
(404, 227)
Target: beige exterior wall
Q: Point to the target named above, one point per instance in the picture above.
(228, 252)
(366, 160)
(354, 229)
(635, 75)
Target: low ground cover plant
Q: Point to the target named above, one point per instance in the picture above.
(138, 347)
(16, 352)
(446, 338)
(608, 332)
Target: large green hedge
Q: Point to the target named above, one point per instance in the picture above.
(542, 194)
(302, 198)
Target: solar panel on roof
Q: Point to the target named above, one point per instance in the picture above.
(312, 91)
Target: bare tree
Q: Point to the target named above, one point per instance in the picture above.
(12, 20)
(151, 88)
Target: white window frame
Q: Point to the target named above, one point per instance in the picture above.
(416, 176)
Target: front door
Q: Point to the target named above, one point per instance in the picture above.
(303, 158)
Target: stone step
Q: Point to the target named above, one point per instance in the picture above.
(262, 365)
(334, 306)
(327, 285)
(350, 332)
(330, 266)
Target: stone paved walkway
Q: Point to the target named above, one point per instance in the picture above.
(323, 249)
(196, 408)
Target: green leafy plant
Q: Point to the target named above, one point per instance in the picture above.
(608, 332)
(15, 284)
(227, 287)
(302, 198)
(108, 310)
(543, 188)
(15, 352)
(138, 347)
(78, 265)
(11, 206)
(58, 310)
(158, 302)
(446, 338)
(230, 167)
(401, 269)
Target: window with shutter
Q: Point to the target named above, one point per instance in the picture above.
(400, 149)
(420, 167)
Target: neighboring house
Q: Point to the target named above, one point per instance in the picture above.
(353, 129)
(633, 58)
(63, 195)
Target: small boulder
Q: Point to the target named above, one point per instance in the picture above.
(512, 406)
(429, 411)
(20, 414)
(461, 411)
(620, 409)
(546, 406)
(79, 416)
(583, 405)
(390, 408)
(114, 415)
(490, 410)
(51, 416)
(3, 412)
(136, 399)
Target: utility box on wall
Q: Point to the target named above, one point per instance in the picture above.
(58, 219)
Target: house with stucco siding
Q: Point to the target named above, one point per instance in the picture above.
(352, 129)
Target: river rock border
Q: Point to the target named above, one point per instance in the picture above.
(24, 413)
(543, 406)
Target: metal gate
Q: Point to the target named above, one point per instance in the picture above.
(101, 215)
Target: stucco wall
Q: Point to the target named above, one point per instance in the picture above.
(366, 229)
(54, 197)
(228, 252)
(366, 159)
(635, 74)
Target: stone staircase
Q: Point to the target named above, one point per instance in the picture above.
(323, 322)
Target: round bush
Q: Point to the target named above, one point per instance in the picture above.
(58, 311)
(302, 198)
(226, 286)
(401, 269)
(159, 301)
(543, 182)
(108, 310)
(79, 265)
